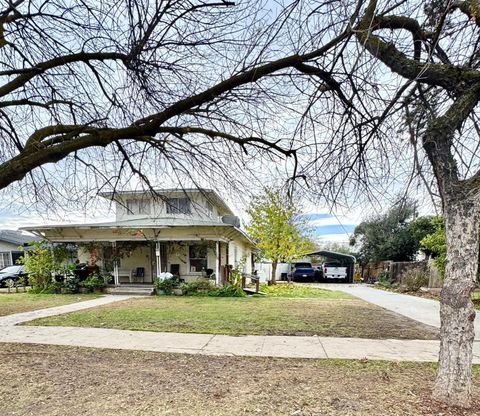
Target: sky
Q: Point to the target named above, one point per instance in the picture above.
(327, 226)
(330, 228)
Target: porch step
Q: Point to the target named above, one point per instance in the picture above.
(130, 290)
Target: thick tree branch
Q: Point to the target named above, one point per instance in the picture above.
(327, 78)
(438, 141)
(40, 68)
(469, 7)
(235, 81)
(450, 77)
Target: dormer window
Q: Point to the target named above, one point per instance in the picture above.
(178, 206)
(138, 206)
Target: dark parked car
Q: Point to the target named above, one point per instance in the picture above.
(302, 272)
(11, 272)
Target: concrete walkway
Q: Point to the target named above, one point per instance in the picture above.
(19, 318)
(420, 309)
(261, 346)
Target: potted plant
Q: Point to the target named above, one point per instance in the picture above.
(167, 286)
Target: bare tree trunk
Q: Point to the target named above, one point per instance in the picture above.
(454, 378)
(274, 273)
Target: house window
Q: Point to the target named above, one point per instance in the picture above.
(5, 259)
(178, 206)
(198, 258)
(138, 206)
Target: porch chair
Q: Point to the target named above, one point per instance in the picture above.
(138, 273)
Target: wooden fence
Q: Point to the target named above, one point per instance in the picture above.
(396, 270)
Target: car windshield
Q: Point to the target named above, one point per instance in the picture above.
(11, 269)
(303, 266)
(332, 265)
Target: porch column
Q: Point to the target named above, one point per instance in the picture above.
(217, 264)
(158, 257)
(116, 280)
(227, 263)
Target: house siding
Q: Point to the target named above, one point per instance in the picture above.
(199, 207)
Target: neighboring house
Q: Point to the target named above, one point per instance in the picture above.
(11, 243)
(187, 232)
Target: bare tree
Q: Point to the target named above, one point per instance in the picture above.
(408, 84)
(174, 86)
(152, 83)
(443, 60)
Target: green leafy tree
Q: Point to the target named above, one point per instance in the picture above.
(339, 248)
(394, 235)
(435, 244)
(278, 228)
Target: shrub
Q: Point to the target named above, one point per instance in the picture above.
(39, 264)
(72, 282)
(94, 281)
(167, 285)
(52, 288)
(227, 291)
(414, 279)
(384, 278)
(199, 287)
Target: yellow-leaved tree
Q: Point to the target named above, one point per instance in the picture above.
(278, 227)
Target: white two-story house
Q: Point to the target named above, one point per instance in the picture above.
(188, 232)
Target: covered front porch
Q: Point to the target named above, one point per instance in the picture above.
(140, 263)
(140, 255)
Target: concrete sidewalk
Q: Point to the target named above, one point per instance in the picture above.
(420, 309)
(260, 346)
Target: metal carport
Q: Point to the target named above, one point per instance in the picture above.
(345, 260)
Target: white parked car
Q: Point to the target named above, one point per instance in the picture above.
(334, 271)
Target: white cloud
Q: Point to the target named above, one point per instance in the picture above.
(333, 238)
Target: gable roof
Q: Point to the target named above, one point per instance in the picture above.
(17, 237)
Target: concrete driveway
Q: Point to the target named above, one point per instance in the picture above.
(422, 310)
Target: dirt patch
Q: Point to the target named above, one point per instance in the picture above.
(53, 381)
(275, 316)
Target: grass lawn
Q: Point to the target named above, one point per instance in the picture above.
(24, 302)
(330, 314)
(301, 291)
(65, 381)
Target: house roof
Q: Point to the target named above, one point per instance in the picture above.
(16, 237)
(209, 194)
(145, 223)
